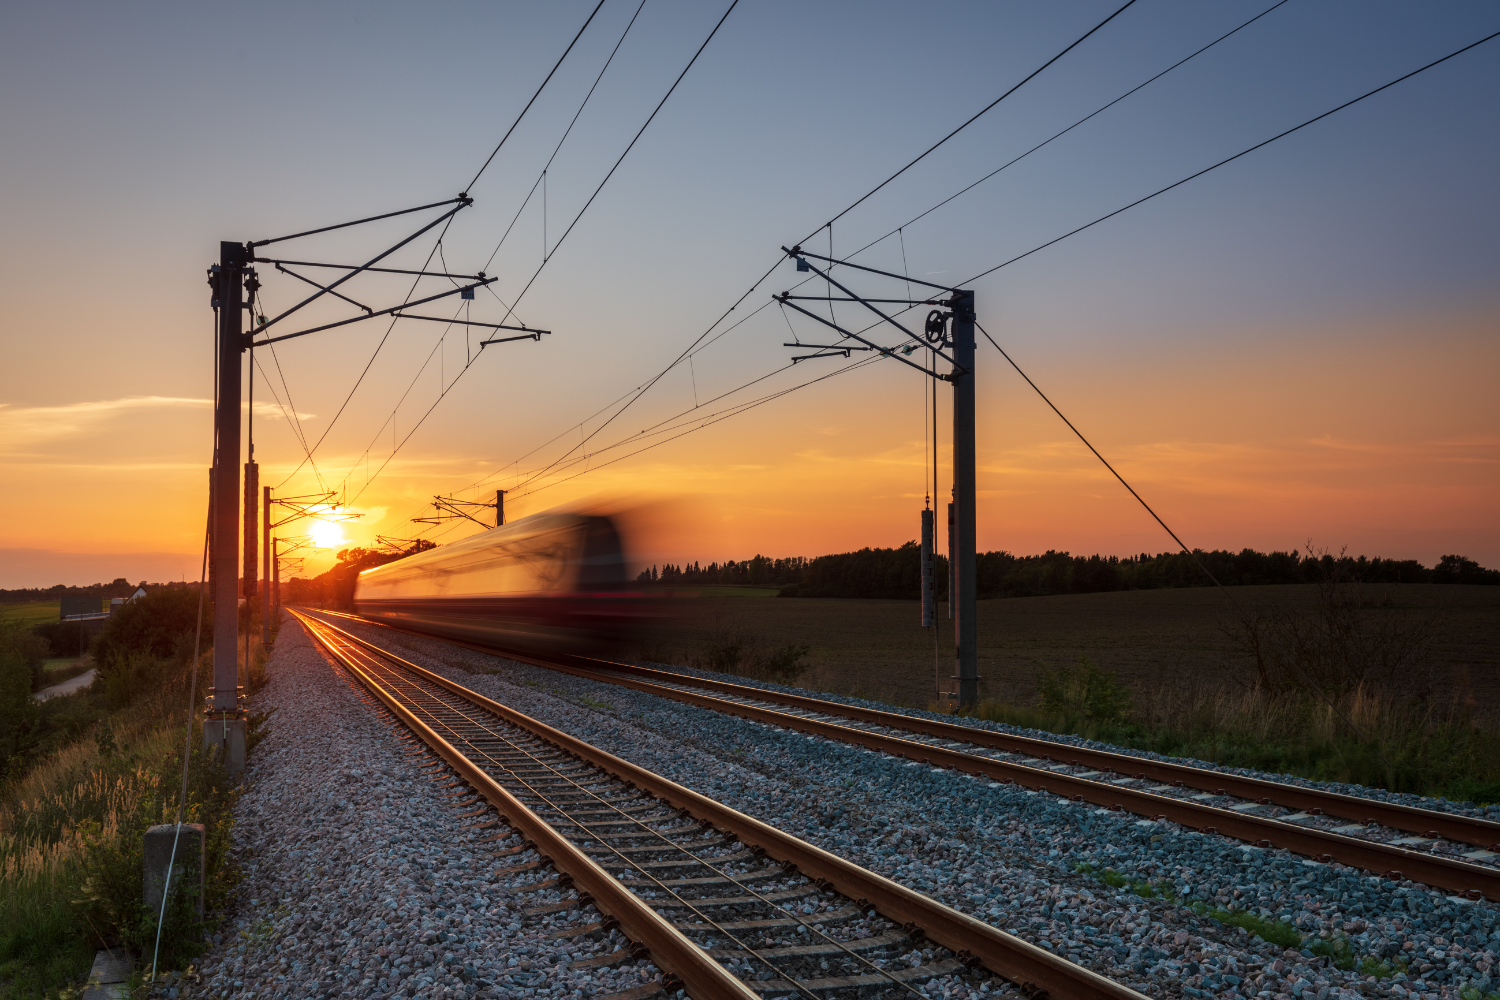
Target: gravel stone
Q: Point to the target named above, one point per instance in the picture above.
(363, 878)
(1029, 862)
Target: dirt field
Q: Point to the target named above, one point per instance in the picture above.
(878, 648)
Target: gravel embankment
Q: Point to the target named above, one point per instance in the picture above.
(1031, 863)
(1379, 794)
(362, 874)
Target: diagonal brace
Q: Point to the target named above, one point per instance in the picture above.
(799, 252)
(826, 277)
(375, 260)
(356, 319)
(337, 295)
(887, 351)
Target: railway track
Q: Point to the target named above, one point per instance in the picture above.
(1325, 826)
(726, 905)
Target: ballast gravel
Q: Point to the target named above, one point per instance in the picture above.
(1135, 900)
(1344, 788)
(365, 876)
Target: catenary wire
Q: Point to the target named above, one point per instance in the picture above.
(678, 360)
(1236, 156)
(470, 185)
(652, 117)
(576, 218)
(1139, 201)
(555, 67)
(1070, 128)
(982, 111)
(566, 132)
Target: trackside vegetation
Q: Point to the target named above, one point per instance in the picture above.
(1327, 692)
(82, 784)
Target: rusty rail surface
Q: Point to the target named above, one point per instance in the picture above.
(1440, 872)
(1005, 954)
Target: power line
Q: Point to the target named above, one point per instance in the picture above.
(1070, 128)
(585, 208)
(670, 90)
(412, 290)
(373, 355)
(1035, 249)
(568, 131)
(1236, 156)
(976, 117)
(534, 96)
(678, 360)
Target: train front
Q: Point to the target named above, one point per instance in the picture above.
(554, 582)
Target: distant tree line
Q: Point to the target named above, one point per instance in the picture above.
(897, 573)
(335, 588)
(121, 587)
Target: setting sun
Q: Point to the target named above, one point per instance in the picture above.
(327, 535)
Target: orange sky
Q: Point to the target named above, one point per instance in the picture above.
(1299, 346)
(1260, 453)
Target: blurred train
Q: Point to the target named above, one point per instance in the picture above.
(552, 582)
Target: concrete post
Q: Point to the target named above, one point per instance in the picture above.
(224, 713)
(265, 597)
(187, 869)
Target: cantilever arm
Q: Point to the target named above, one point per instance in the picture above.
(887, 351)
(345, 322)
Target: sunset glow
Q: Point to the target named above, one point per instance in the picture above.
(1299, 346)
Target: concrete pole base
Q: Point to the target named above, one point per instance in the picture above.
(229, 736)
(187, 864)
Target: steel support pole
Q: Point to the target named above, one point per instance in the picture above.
(276, 578)
(965, 604)
(499, 508)
(265, 542)
(225, 695)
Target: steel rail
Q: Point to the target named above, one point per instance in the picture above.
(1450, 826)
(1449, 874)
(701, 976)
(1005, 954)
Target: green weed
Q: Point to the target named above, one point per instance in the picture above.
(1336, 949)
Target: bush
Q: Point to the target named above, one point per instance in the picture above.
(64, 638)
(144, 640)
(1084, 691)
(154, 624)
(20, 716)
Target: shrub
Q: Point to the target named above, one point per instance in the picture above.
(159, 625)
(20, 716)
(64, 638)
(1084, 691)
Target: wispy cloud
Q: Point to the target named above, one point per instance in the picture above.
(26, 425)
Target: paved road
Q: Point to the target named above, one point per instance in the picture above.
(66, 687)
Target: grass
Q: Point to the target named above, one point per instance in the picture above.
(72, 828)
(1175, 670)
(1363, 737)
(31, 613)
(1337, 948)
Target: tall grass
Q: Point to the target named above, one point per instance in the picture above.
(1364, 735)
(72, 833)
(1341, 691)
